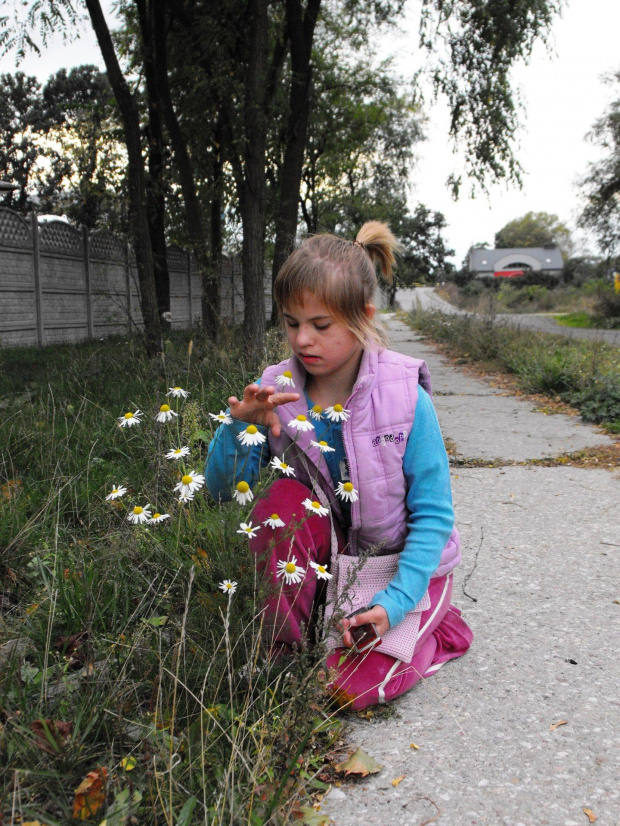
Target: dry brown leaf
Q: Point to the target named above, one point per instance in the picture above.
(90, 794)
(553, 726)
(11, 488)
(359, 763)
(590, 814)
(398, 780)
(51, 736)
(414, 746)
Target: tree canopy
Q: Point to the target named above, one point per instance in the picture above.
(535, 229)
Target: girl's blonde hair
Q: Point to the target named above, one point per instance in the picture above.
(342, 275)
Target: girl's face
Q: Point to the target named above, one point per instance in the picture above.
(325, 346)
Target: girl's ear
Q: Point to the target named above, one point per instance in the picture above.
(370, 311)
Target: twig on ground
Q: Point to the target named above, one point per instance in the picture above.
(467, 578)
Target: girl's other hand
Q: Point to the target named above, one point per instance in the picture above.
(258, 406)
(376, 614)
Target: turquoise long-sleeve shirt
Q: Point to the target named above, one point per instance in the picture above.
(429, 496)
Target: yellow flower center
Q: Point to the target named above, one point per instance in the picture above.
(177, 451)
(321, 569)
(178, 388)
(251, 429)
(317, 409)
(243, 487)
(338, 408)
(115, 490)
(348, 487)
(129, 415)
(283, 466)
(138, 510)
(290, 568)
(316, 505)
(156, 515)
(187, 480)
(228, 585)
(274, 516)
(164, 408)
(322, 443)
(301, 418)
(287, 374)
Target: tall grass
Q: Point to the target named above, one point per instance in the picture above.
(125, 654)
(585, 374)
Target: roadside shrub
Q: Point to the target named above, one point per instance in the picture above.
(608, 307)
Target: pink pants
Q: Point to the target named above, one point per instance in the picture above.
(361, 680)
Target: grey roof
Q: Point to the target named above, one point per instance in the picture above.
(484, 260)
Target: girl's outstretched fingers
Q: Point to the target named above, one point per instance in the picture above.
(258, 406)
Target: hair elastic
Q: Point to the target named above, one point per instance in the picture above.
(359, 244)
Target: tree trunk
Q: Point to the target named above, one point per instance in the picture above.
(253, 188)
(301, 31)
(209, 275)
(156, 204)
(139, 221)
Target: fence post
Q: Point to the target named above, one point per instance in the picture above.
(128, 288)
(189, 289)
(38, 292)
(89, 296)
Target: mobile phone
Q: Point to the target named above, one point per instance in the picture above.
(365, 637)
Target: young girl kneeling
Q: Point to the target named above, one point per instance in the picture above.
(365, 477)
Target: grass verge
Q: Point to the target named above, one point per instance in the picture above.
(125, 672)
(583, 374)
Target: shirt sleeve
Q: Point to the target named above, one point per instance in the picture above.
(229, 462)
(431, 515)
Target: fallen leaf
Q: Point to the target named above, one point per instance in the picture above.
(553, 726)
(129, 763)
(156, 622)
(51, 736)
(309, 816)
(359, 763)
(590, 814)
(398, 780)
(413, 746)
(71, 647)
(11, 489)
(90, 794)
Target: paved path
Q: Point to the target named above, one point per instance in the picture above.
(541, 547)
(429, 300)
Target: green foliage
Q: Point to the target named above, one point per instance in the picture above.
(130, 642)
(601, 183)
(535, 229)
(582, 373)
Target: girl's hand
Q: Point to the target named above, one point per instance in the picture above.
(376, 614)
(258, 406)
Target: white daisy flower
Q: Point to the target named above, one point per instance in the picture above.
(117, 492)
(189, 484)
(158, 517)
(337, 413)
(228, 586)
(323, 446)
(315, 507)
(315, 412)
(221, 417)
(278, 464)
(285, 380)
(347, 492)
(177, 453)
(248, 529)
(165, 414)
(242, 493)
(301, 423)
(274, 521)
(130, 419)
(139, 515)
(177, 393)
(186, 497)
(251, 436)
(321, 571)
(290, 570)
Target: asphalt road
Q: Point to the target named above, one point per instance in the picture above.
(429, 300)
(525, 728)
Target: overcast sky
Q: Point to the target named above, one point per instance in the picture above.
(563, 95)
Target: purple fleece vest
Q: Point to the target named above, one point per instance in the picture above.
(382, 407)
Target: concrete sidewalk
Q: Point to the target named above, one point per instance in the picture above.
(541, 559)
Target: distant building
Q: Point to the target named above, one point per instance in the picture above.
(510, 263)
